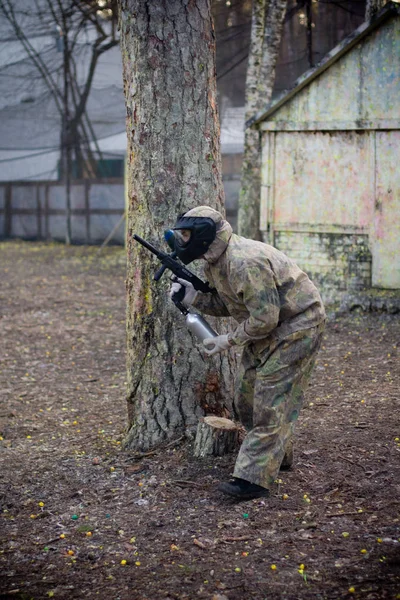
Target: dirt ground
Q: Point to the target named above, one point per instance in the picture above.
(83, 518)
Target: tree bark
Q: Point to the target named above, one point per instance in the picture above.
(309, 35)
(372, 7)
(168, 53)
(215, 436)
(266, 33)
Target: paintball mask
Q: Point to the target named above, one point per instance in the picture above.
(193, 236)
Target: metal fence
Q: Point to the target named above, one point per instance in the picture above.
(37, 210)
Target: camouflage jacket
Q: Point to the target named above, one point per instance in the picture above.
(260, 287)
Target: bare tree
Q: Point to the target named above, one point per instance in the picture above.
(73, 23)
(168, 51)
(266, 32)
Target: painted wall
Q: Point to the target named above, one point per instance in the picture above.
(330, 194)
(336, 262)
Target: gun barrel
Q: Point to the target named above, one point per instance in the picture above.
(146, 244)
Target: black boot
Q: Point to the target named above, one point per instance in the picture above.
(242, 489)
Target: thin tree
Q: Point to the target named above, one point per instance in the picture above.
(373, 7)
(168, 52)
(266, 33)
(69, 21)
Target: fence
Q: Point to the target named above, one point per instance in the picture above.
(36, 210)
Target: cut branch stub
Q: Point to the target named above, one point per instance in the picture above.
(216, 436)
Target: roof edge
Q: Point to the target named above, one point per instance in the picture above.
(390, 9)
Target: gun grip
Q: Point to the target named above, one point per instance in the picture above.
(179, 295)
(158, 274)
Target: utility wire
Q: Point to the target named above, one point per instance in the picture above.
(48, 173)
(15, 158)
(233, 66)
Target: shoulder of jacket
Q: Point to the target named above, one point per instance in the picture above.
(251, 251)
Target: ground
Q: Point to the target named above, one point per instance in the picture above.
(84, 518)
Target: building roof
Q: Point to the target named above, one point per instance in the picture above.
(389, 10)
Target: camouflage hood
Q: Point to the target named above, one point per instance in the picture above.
(224, 231)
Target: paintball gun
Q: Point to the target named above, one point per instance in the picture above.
(194, 322)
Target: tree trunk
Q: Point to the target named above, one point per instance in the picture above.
(372, 7)
(266, 33)
(309, 35)
(174, 159)
(66, 144)
(215, 436)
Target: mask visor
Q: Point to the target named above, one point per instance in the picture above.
(182, 237)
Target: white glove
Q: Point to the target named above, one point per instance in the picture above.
(217, 344)
(190, 292)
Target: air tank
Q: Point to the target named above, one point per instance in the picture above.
(199, 327)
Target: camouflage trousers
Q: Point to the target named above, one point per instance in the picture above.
(269, 394)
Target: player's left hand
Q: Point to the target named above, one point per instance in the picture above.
(214, 345)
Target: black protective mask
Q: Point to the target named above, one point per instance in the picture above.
(203, 232)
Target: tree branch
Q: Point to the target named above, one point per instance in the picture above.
(9, 13)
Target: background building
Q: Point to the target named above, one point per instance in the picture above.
(330, 195)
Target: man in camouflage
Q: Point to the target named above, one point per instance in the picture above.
(280, 319)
